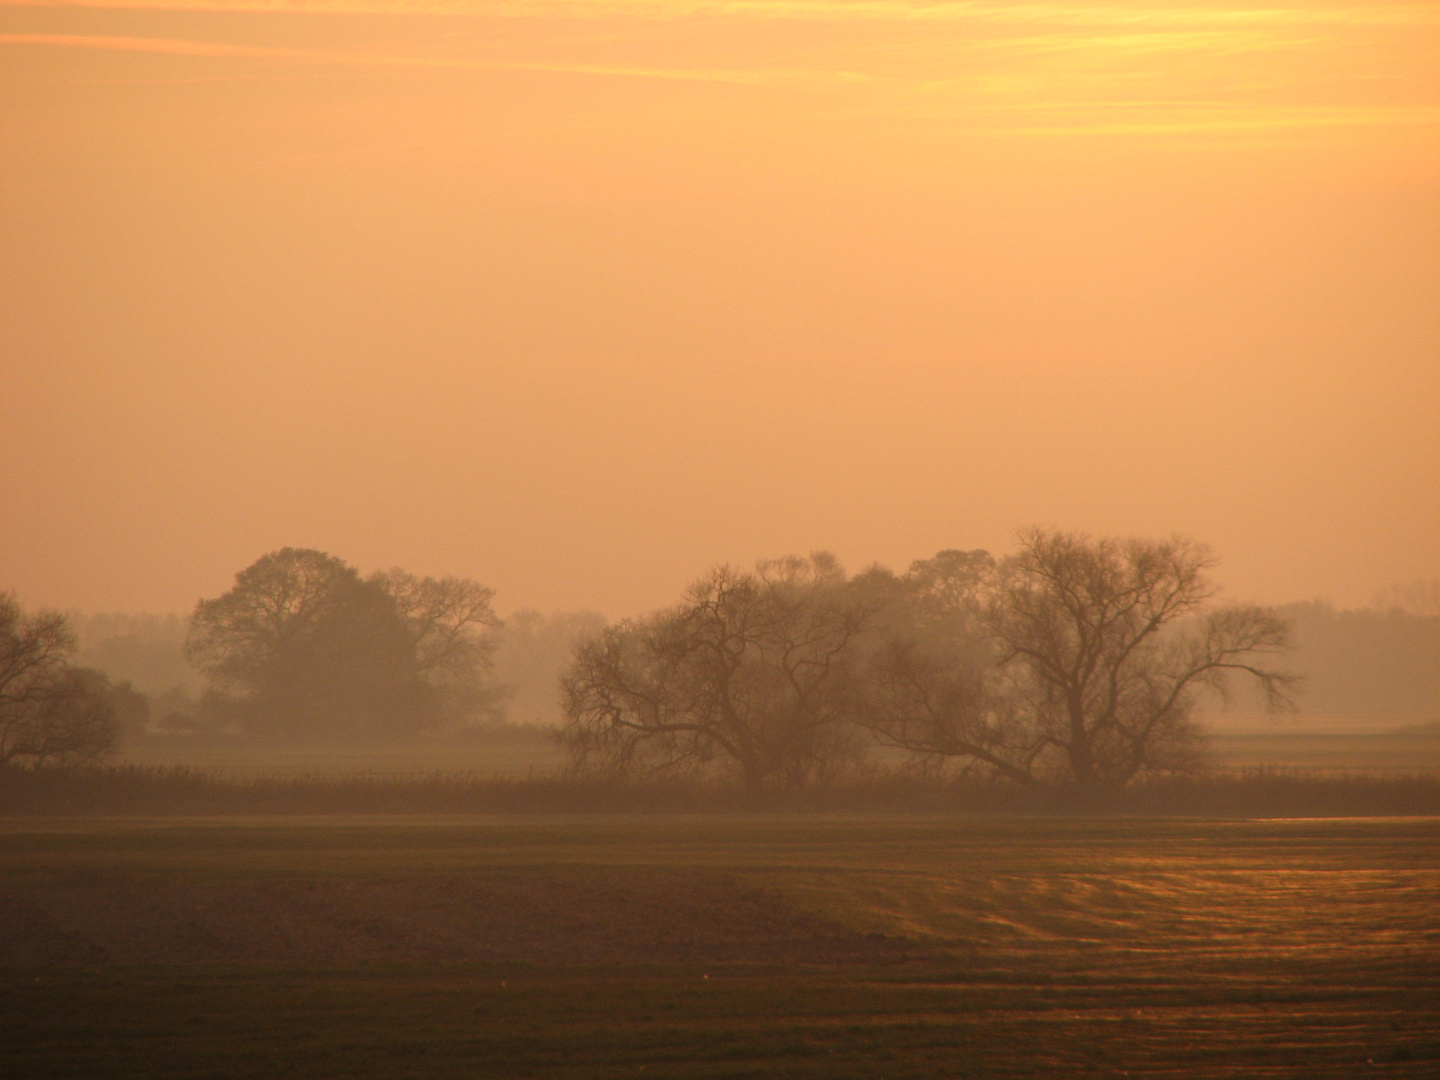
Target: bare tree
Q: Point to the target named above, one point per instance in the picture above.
(1075, 660)
(50, 712)
(931, 685)
(454, 629)
(1109, 645)
(750, 670)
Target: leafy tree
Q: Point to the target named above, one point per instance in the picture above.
(50, 711)
(750, 670)
(310, 649)
(305, 647)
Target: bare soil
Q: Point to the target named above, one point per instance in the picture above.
(88, 917)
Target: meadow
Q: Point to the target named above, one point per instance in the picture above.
(719, 946)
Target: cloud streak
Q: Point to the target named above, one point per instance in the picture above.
(185, 47)
(1042, 116)
(1075, 69)
(1160, 15)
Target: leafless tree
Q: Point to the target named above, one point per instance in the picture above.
(1077, 660)
(50, 712)
(931, 687)
(1109, 645)
(454, 629)
(751, 670)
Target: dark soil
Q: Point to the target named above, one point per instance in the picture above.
(95, 918)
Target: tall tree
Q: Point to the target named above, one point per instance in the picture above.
(1076, 660)
(312, 650)
(1109, 645)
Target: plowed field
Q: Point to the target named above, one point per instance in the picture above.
(720, 947)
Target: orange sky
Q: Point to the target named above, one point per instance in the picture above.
(581, 297)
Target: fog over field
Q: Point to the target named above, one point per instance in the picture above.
(719, 538)
(1373, 665)
(306, 668)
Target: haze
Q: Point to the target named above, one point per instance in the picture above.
(579, 299)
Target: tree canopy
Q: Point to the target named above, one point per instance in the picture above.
(1108, 646)
(304, 647)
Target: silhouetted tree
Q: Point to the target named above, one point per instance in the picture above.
(453, 632)
(306, 647)
(1074, 661)
(931, 686)
(1108, 645)
(51, 712)
(750, 671)
(312, 650)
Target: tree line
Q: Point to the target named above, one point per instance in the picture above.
(302, 647)
(1076, 660)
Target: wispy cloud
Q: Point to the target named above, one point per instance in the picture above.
(1080, 14)
(168, 46)
(1050, 69)
(184, 47)
(1208, 118)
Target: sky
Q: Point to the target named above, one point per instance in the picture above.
(582, 297)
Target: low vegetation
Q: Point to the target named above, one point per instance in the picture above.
(159, 790)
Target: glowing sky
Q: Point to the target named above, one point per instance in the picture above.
(581, 297)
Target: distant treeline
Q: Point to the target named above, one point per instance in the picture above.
(1365, 662)
(1372, 661)
(143, 790)
(1076, 662)
(147, 651)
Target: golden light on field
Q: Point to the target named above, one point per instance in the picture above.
(580, 297)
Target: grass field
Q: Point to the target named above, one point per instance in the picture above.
(1313, 743)
(719, 947)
